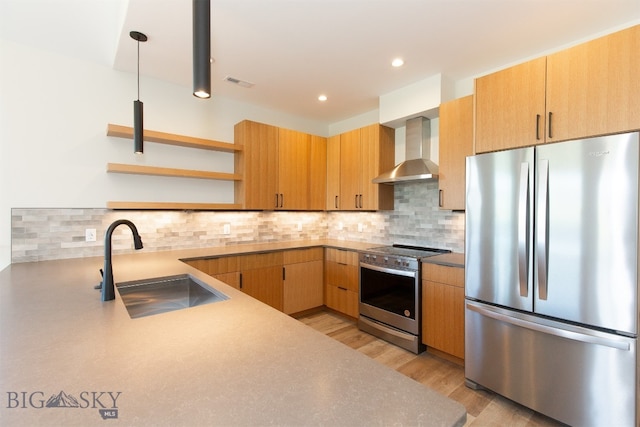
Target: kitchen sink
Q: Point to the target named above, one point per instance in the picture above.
(163, 294)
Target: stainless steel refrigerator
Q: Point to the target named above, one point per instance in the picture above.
(551, 257)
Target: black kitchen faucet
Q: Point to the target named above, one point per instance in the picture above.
(108, 293)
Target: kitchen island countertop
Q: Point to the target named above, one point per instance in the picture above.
(235, 362)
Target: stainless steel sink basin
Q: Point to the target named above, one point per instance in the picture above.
(162, 294)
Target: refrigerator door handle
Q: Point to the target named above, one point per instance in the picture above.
(523, 229)
(543, 226)
(549, 330)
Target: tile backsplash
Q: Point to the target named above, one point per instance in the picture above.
(39, 234)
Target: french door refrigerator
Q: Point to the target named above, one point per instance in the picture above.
(551, 257)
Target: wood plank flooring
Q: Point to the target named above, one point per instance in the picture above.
(484, 408)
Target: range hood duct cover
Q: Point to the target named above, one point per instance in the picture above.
(418, 166)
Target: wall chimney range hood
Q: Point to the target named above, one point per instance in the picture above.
(417, 166)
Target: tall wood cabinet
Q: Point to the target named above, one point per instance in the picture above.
(355, 158)
(587, 90)
(282, 168)
(456, 143)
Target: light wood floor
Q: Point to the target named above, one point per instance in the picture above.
(483, 408)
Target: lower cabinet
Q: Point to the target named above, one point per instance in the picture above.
(443, 308)
(341, 281)
(289, 281)
(303, 278)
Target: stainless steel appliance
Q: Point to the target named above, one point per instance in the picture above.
(391, 293)
(551, 282)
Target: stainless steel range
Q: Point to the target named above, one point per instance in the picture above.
(391, 293)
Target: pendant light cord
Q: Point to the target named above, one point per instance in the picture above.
(138, 70)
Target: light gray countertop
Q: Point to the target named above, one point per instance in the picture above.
(235, 362)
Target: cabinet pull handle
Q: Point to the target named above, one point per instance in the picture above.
(284, 274)
(276, 200)
(356, 201)
(538, 127)
(360, 202)
(341, 288)
(440, 194)
(240, 280)
(550, 115)
(281, 200)
(336, 202)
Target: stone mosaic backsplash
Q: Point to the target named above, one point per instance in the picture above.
(39, 234)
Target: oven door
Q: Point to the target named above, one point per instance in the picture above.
(391, 296)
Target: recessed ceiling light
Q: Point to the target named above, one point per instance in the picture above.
(398, 62)
(322, 98)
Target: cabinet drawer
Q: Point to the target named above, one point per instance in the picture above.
(453, 276)
(302, 255)
(342, 256)
(218, 265)
(261, 260)
(342, 300)
(341, 275)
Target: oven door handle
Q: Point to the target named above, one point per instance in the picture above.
(407, 273)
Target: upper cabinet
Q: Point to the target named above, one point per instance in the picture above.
(594, 88)
(282, 169)
(587, 90)
(333, 173)
(355, 158)
(510, 107)
(456, 143)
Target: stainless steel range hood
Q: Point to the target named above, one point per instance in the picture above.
(417, 166)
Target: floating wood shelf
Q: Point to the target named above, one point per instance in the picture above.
(120, 131)
(160, 171)
(173, 206)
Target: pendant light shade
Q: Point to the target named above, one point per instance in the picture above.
(202, 48)
(138, 126)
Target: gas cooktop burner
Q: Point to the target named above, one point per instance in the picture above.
(407, 251)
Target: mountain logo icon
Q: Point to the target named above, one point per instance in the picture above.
(62, 400)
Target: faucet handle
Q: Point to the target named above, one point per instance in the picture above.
(99, 285)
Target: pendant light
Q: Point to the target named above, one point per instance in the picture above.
(138, 127)
(202, 48)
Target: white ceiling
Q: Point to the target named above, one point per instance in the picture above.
(294, 50)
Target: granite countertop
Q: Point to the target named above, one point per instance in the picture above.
(235, 362)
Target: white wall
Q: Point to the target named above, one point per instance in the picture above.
(54, 112)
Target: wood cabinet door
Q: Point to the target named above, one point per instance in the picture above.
(350, 166)
(594, 88)
(443, 308)
(510, 107)
(231, 279)
(342, 300)
(333, 201)
(443, 317)
(293, 169)
(258, 164)
(303, 286)
(456, 143)
(377, 155)
(264, 284)
(317, 173)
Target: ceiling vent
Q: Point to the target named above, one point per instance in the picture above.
(239, 82)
